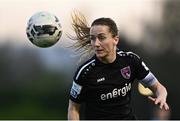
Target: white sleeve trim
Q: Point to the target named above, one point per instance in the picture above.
(149, 80)
(77, 76)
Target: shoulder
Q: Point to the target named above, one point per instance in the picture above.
(84, 67)
(129, 57)
(128, 54)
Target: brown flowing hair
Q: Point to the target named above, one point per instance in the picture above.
(82, 44)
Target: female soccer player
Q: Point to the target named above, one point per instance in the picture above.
(103, 83)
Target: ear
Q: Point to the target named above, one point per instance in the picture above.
(116, 40)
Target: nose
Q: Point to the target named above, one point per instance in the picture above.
(96, 42)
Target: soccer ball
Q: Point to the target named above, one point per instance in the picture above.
(44, 29)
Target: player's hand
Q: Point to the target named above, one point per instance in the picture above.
(159, 101)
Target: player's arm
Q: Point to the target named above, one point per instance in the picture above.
(77, 94)
(147, 79)
(160, 95)
(73, 110)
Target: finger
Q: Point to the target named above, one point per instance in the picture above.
(161, 105)
(157, 101)
(166, 106)
(151, 98)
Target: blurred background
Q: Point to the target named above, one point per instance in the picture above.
(35, 82)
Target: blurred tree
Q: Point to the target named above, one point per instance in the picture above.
(162, 38)
(29, 90)
(162, 55)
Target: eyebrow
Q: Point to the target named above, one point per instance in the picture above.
(98, 34)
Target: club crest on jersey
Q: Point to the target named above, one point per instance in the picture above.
(126, 72)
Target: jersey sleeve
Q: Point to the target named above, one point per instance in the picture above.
(77, 90)
(143, 74)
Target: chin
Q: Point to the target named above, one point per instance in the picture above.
(100, 55)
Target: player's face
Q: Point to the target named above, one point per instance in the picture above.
(102, 41)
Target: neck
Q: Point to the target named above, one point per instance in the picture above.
(109, 58)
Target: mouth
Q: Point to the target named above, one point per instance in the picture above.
(99, 51)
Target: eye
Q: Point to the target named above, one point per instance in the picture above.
(92, 38)
(101, 38)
